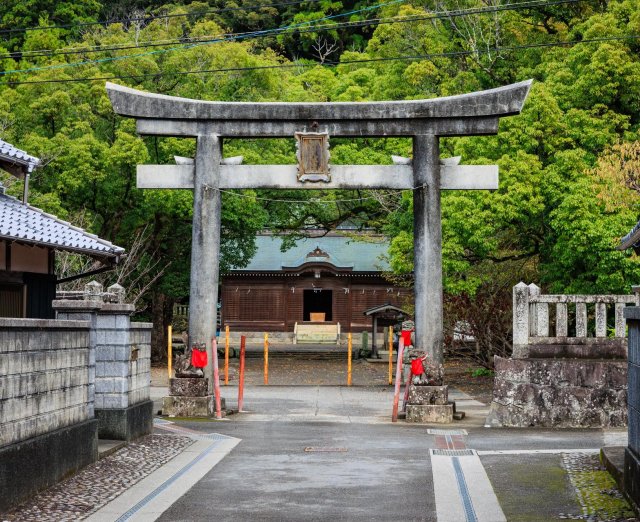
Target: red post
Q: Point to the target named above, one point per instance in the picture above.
(216, 379)
(396, 394)
(243, 340)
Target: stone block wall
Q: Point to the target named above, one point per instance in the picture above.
(140, 363)
(47, 425)
(46, 376)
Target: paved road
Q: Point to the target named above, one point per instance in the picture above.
(372, 469)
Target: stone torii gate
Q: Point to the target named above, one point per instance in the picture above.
(425, 121)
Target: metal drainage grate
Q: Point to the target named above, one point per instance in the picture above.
(453, 453)
(431, 431)
(323, 449)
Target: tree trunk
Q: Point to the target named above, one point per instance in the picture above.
(162, 314)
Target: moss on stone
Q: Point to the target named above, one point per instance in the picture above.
(599, 496)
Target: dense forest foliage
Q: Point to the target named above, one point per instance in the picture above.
(568, 163)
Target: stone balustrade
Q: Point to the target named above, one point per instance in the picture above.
(568, 370)
(532, 323)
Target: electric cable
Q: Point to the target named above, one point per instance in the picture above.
(151, 17)
(298, 65)
(235, 38)
(341, 25)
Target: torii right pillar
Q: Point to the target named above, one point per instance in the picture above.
(427, 248)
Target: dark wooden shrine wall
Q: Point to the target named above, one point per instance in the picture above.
(275, 303)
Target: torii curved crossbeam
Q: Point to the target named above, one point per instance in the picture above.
(465, 114)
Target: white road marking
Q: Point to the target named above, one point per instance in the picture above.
(538, 451)
(152, 496)
(463, 491)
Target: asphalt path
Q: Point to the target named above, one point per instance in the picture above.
(330, 453)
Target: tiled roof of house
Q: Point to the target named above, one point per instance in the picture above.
(27, 224)
(13, 159)
(361, 256)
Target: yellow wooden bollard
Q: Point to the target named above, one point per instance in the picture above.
(349, 361)
(390, 344)
(266, 358)
(169, 349)
(226, 355)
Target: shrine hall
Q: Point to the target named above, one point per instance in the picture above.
(332, 279)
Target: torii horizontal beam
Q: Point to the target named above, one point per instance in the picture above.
(465, 114)
(453, 177)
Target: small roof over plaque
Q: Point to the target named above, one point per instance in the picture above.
(313, 156)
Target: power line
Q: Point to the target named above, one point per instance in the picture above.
(350, 24)
(234, 38)
(450, 54)
(151, 17)
(310, 200)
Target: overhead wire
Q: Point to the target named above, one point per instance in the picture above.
(151, 17)
(310, 200)
(532, 4)
(313, 28)
(301, 65)
(234, 38)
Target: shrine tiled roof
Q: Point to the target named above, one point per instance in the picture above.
(13, 159)
(341, 251)
(26, 224)
(632, 239)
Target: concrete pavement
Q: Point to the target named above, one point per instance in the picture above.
(331, 453)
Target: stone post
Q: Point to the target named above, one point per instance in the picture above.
(520, 321)
(427, 247)
(632, 453)
(205, 248)
(534, 290)
(111, 352)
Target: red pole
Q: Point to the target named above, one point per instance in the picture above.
(396, 394)
(216, 379)
(241, 377)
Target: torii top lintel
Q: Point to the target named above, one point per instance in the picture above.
(466, 114)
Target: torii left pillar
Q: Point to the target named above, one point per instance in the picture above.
(205, 246)
(427, 247)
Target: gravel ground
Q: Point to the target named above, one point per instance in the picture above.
(79, 496)
(292, 371)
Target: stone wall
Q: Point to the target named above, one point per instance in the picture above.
(576, 378)
(560, 393)
(46, 374)
(47, 425)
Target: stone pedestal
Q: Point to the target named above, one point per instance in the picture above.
(188, 397)
(426, 395)
(429, 404)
